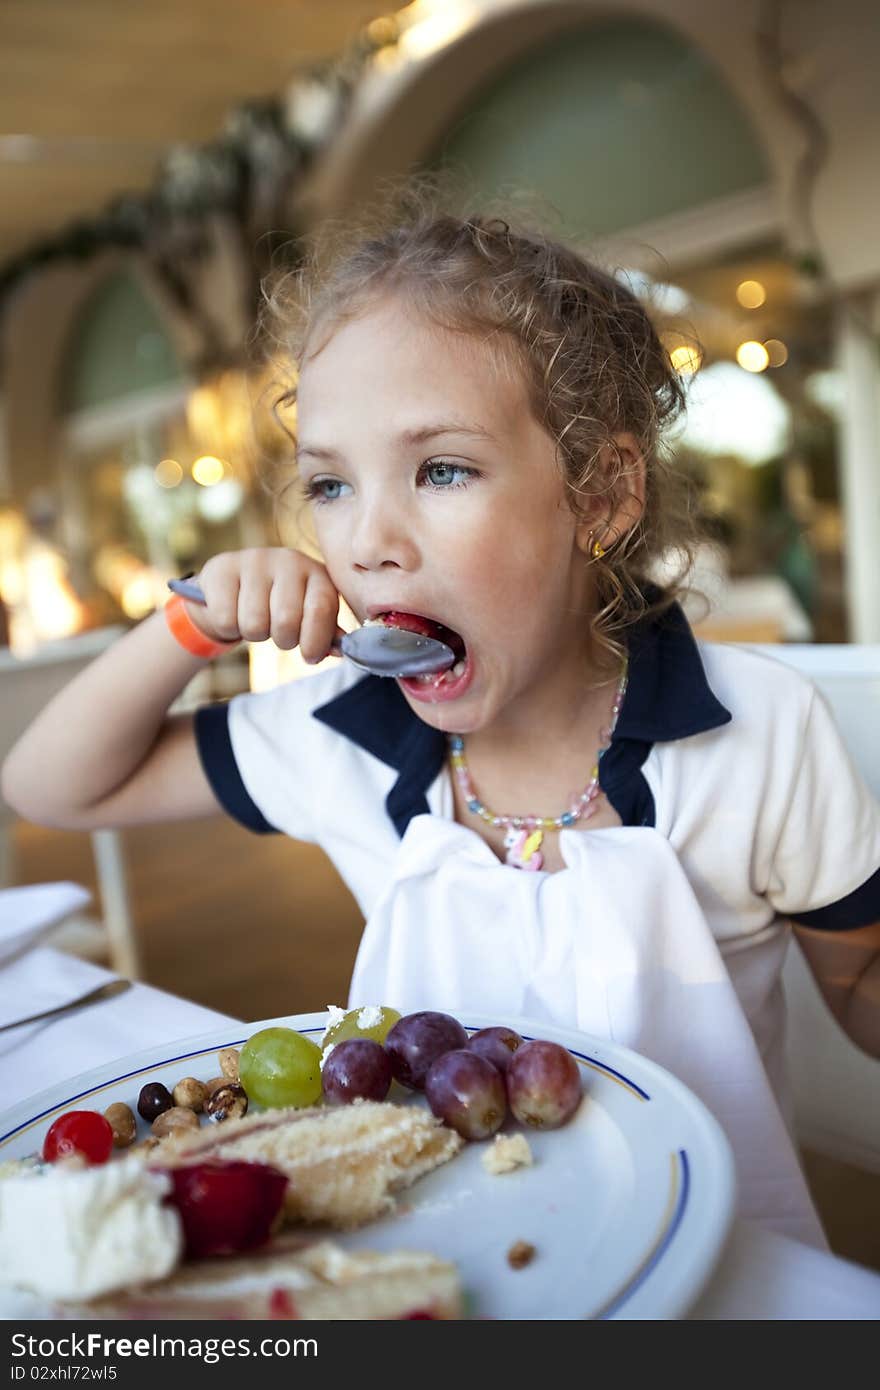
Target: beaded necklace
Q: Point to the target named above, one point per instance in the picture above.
(525, 834)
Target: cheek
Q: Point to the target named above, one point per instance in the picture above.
(523, 545)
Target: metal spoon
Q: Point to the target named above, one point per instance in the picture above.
(105, 991)
(383, 651)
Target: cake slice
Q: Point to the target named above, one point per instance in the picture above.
(343, 1163)
(316, 1280)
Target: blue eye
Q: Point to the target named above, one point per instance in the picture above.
(323, 489)
(441, 475)
(447, 475)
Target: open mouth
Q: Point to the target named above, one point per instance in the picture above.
(436, 685)
(427, 627)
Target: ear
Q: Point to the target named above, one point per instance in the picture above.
(613, 516)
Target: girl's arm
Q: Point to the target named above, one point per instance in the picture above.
(105, 752)
(846, 967)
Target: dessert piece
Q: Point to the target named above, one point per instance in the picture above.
(343, 1163)
(67, 1232)
(509, 1151)
(296, 1279)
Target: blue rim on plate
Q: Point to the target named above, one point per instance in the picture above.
(676, 1237)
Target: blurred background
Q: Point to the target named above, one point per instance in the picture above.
(156, 161)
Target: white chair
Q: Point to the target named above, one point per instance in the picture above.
(836, 1086)
(27, 684)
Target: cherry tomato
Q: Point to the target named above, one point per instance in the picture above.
(83, 1132)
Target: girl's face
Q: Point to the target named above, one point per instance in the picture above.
(436, 493)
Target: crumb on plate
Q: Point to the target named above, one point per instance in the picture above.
(520, 1254)
(509, 1151)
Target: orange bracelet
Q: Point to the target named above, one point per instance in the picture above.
(184, 631)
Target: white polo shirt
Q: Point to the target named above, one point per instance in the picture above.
(740, 810)
(730, 755)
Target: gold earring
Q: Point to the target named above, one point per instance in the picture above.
(596, 550)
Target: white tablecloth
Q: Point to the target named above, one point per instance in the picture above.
(760, 1275)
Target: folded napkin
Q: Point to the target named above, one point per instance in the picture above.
(616, 944)
(43, 979)
(29, 913)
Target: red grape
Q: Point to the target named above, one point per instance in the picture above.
(543, 1085)
(417, 1040)
(226, 1206)
(82, 1132)
(497, 1045)
(354, 1068)
(467, 1093)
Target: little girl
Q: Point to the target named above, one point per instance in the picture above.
(590, 819)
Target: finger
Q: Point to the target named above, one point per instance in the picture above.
(286, 608)
(220, 612)
(320, 610)
(253, 605)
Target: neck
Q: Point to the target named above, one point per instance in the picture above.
(582, 691)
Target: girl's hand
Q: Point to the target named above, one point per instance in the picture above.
(269, 592)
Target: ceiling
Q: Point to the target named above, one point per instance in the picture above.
(103, 88)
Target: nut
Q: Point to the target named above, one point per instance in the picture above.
(153, 1099)
(520, 1254)
(228, 1059)
(190, 1094)
(177, 1118)
(214, 1084)
(143, 1146)
(227, 1102)
(123, 1123)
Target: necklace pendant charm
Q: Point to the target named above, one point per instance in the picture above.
(523, 848)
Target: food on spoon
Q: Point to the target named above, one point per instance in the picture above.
(80, 1133)
(543, 1084)
(226, 1208)
(357, 1069)
(344, 1163)
(280, 1067)
(497, 1045)
(417, 1040)
(153, 1099)
(369, 1021)
(467, 1093)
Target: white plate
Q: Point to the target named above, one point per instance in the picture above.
(628, 1205)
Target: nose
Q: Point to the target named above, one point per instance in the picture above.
(382, 538)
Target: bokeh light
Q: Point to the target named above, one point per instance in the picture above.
(686, 359)
(168, 473)
(207, 470)
(753, 356)
(777, 352)
(751, 294)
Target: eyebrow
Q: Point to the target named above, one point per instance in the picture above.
(414, 436)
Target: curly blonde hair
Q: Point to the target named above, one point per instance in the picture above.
(586, 348)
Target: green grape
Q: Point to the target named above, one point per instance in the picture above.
(349, 1027)
(278, 1067)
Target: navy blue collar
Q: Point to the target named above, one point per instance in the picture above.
(667, 698)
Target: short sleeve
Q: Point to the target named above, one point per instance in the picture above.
(826, 867)
(256, 753)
